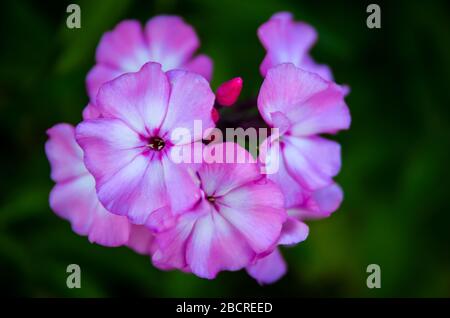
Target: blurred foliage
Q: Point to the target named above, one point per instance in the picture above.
(395, 156)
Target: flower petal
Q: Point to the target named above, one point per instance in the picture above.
(280, 121)
(77, 202)
(182, 188)
(325, 112)
(201, 64)
(123, 48)
(321, 203)
(109, 144)
(141, 240)
(312, 161)
(170, 250)
(226, 233)
(286, 41)
(137, 190)
(90, 112)
(229, 167)
(161, 219)
(312, 66)
(275, 165)
(139, 99)
(73, 197)
(268, 269)
(216, 245)
(64, 154)
(170, 40)
(257, 211)
(293, 232)
(99, 75)
(128, 181)
(191, 99)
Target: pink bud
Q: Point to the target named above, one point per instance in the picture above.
(215, 115)
(228, 93)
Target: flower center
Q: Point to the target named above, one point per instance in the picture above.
(156, 143)
(211, 199)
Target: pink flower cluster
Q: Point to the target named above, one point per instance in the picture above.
(115, 181)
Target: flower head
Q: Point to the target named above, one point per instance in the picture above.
(238, 219)
(118, 177)
(128, 149)
(165, 39)
(74, 199)
(303, 105)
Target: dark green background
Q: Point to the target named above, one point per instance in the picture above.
(395, 156)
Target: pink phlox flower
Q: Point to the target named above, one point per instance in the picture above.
(238, 219)
(74, 198)
(128, 149)
(302, 105)
(165, 39)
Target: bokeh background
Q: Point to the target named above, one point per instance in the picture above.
(395, 156)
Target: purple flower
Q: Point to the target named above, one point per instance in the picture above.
(128, 149)
(118, 183)
(165, 39)
(303, 105)
(73, 197)
(237, 220)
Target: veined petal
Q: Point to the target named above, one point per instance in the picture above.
(201, 64)
(257, 211)
(191, 100)
(109, 145)
(268, 269)
(64, 154)
(128, 180)
(76, 201)
(275, 163)
(286, 41)
(325, 112)
(223, 232)
(136, 190)
(312, 161)
(170, 250)
(293, 232)
(90, 112)
(236, 168)
(74, 198)
(312, 66)
(99, 75)
(141, 240)
(216, 245)
(139, 99)
(123, 48)
(320, 204)
(170, 41)
(285, 89)
(181, 184)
